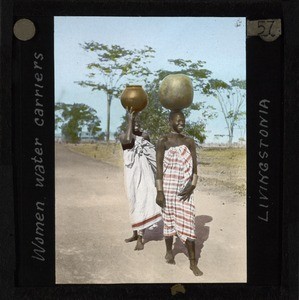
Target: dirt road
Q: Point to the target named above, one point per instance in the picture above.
(92, 222)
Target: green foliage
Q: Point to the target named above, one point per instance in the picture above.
(194, 70)
(112, 64)
(154, 118)
(72, 118)
(196, 130)
(231, 98)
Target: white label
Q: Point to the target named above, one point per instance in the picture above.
(268, 30)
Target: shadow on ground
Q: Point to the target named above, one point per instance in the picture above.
(155, 234)
(202, 234)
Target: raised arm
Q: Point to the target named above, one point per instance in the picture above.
(160, 150)
(126, 137)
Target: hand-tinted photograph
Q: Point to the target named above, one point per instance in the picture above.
(150, 150)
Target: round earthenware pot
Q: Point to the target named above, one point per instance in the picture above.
(134, 97)
(176, 92)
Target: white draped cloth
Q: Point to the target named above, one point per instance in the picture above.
(139, 176)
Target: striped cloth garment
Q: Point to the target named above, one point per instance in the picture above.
(178, 215)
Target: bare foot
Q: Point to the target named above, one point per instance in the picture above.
(139, 245)
(169, 258)
(131, 239)
(194, 268)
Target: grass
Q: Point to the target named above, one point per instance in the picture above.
(110, 153)
(218, 167)
(223, 167)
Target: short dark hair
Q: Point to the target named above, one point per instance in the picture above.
(175, 112)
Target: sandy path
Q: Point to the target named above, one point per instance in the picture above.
(92, 221)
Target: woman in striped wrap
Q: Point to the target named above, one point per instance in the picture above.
(175, 181)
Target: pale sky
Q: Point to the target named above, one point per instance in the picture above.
(217, 41)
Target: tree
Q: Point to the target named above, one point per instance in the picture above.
(231, 98)
(114, 63)
(154, 118)
(199, 76)
(72, 118)
(195, 129)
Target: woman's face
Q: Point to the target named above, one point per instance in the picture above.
(136, 126)
(177, 122)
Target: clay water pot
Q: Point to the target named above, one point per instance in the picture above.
(176, 92)
(134, 97)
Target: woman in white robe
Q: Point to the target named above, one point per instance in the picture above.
(139, 176)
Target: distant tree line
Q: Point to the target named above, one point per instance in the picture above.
(73, 118)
